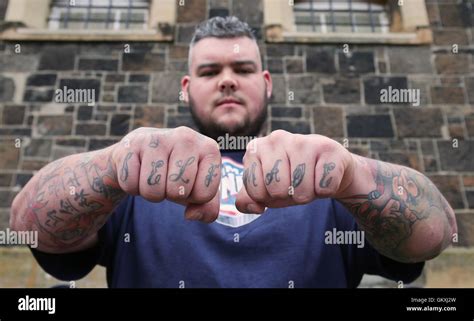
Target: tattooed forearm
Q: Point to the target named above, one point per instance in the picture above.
(52, 171)
(393, 204)
(211, 173)
(273, 174)
(53, 219)
(52, 178)
(325, 180)
(89, 190)
(101, 176)
(66, 207)
(182, 167)
(298, 175)
(72, 179)
(154, 178)
(82, 200)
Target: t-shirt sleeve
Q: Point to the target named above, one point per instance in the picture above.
(76, 265)
(367, 260)
(376, 263)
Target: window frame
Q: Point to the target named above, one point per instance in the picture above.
(34, 16)
(410, 26)
(104, 13)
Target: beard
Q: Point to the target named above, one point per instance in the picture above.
(246, 127)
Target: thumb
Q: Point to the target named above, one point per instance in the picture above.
(207, 212)
(246, 204)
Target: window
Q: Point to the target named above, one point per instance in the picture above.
(341, 16)
(347, 21)
(99, 14)
(91, 20)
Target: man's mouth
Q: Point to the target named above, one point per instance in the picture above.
(229, 106)
(228, 102)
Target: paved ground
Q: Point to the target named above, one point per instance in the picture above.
(18, 269)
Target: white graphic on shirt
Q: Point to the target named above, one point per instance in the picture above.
(231, 182)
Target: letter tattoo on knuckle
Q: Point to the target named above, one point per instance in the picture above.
(211, 174)
(273, 174)
(325, 180)
(182, 167)
(249, 176)
(153, 178)
(124, 171)
(298, 175)
(154, 142)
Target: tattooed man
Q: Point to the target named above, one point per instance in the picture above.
(289, 210)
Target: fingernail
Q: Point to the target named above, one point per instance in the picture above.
(196, 216)
(251, 208)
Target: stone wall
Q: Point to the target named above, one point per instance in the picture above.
(317, 89)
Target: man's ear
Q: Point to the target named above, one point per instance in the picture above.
(184, 88)
(268, 80)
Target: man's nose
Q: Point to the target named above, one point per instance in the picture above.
(227, 83)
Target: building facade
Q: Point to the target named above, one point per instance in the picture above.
(401, 90)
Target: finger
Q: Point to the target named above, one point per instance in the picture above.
(153, 173)
(302, 162)
(128, 172)
(252, 177)
(245, 204)
(208, 176)
(328, 176)
(207, 212)
(182, 169)
(276, 171)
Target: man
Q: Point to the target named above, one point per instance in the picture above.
(123, 206)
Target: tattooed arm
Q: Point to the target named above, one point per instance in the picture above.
(68, 201)
(404, 215)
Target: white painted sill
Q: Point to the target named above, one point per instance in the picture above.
(31, 34)
(422, 36)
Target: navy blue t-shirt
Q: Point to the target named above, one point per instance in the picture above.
(145, 244)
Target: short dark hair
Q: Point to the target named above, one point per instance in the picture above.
(222, 27)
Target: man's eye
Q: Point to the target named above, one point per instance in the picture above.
(208, 73)
(244, 71)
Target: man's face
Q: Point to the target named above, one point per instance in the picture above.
(227, 89)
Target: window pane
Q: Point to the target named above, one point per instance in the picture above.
(136, 26)
(342, 19)
(342, 15)
(99, 14)
(75, 25)
(341, 28)
(303, 18)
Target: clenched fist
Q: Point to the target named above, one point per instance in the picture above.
(179, 164)
(285, 169)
